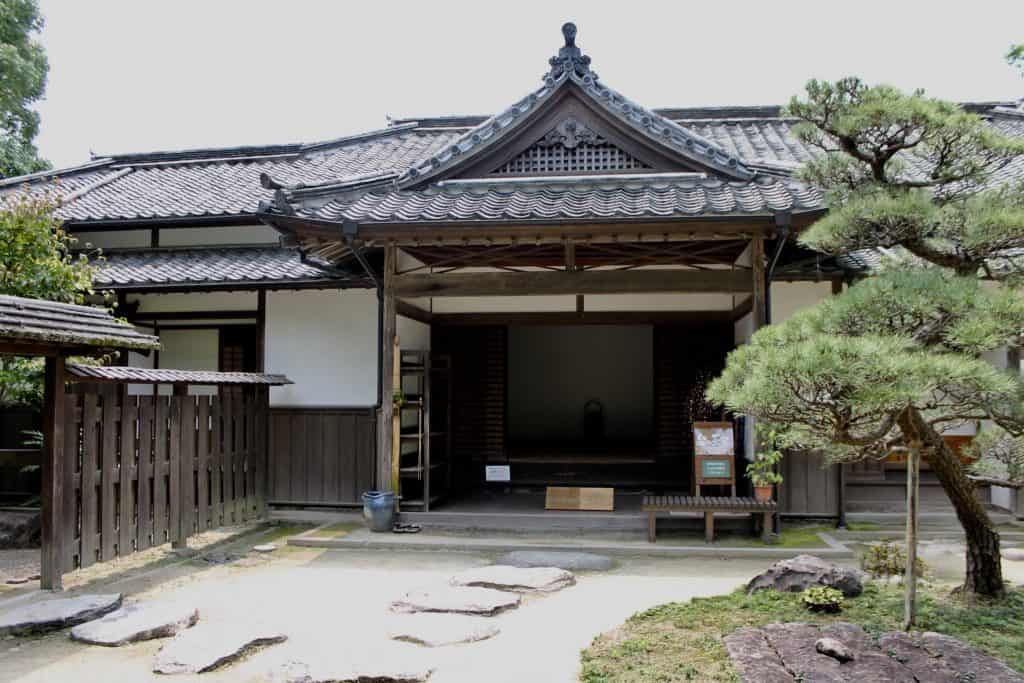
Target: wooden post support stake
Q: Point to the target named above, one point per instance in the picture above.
(54, 464)
(910, 578)
(758, 284)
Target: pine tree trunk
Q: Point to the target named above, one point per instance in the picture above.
(984, 575)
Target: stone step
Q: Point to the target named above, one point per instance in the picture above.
(134, 623)
(53, 615)
(457, 600)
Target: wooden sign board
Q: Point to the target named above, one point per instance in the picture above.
(714, 450)
(577, 498)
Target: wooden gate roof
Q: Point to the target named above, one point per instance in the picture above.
(38, 327)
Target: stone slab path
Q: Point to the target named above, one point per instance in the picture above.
(208, 647)
(134, 623)
(785, 653)
(53, 615)
(516, 579)
(438, 630)
(571, 561)
(457, 600)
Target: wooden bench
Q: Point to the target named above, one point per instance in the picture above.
(709, 505)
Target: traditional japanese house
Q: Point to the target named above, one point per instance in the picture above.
(548, 289)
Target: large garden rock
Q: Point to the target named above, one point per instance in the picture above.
(970, 664)
(803, 571)
(754, 659)
(209, 647)
(571, 561)
(438, 630)
(52, 615)
(457, 600)
(133, 623)
(516, 579)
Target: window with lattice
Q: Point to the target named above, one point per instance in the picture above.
(571, 147)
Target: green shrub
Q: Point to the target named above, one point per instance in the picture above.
(886, 559)
(822, 599)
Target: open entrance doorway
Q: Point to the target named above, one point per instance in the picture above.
(574, 404)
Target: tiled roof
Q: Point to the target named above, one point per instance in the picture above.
(212, 266)
(52, 324)
(118, 373)
(574, 198)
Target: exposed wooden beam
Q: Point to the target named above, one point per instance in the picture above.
(196, 315)
(413, 312)
(586, 318)
(579, 282)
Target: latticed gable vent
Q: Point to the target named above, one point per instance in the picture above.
(571, 147)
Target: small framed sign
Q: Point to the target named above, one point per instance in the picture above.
(498, 473)
(714, 454)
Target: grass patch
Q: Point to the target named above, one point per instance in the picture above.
(683, 641)
(863, 526)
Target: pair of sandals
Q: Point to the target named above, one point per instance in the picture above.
(406, 528)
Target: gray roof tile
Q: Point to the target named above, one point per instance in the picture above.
(121, 373)
(153, 268)
(48, 323)
(575, 198)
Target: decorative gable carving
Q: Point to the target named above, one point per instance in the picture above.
(571, 147)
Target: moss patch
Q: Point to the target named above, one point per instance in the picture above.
(336, 530)
(683, 641)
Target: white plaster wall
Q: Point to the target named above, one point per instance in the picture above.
(412, 334)
(790, 297)
(658, 302)
(503, 304)
(208, 237)
(326, 342)
(208, 301)
(190, 350)
(112, 239)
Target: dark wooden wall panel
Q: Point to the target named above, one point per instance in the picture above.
(807, 488)
(321, 456)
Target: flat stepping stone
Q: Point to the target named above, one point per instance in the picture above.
(438, 630)
(379, 672)
(53, 615)
(571, 561)
(516, 579)
(208, 647)
(134, 623)
(457, 600)
(265, 548)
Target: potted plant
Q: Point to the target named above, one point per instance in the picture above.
(762, 470)
(823, 599)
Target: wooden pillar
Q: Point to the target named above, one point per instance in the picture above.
(759, 283)
(261, 330)
(54, 464)
(388, 341)
(837, 289)
(179, 542)
(913, 501)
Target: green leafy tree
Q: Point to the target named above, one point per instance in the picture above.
(1015, 56)
(23, 69)
(897, 358)
(36, 261)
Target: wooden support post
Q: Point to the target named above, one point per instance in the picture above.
(54, 463)
(179, 537)
(709, 526)
(652, 526)
(387, 359)
(758, 284)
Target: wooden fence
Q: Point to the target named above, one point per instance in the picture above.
(145, 470)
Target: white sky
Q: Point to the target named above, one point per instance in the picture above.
(137, 75)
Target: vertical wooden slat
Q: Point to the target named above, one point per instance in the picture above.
(314, 459)
(161, 471)
(72, 473)
(90, 501)
(281, 456)
(174, 471)
(347, 456)
(202, 463)
(216, 459)
(144, 486)
(54, 462)
(108, 472)
(251, 455)
(330, 452)
(128, 470)
(299, 431)
(187, 453)
(238, 457)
